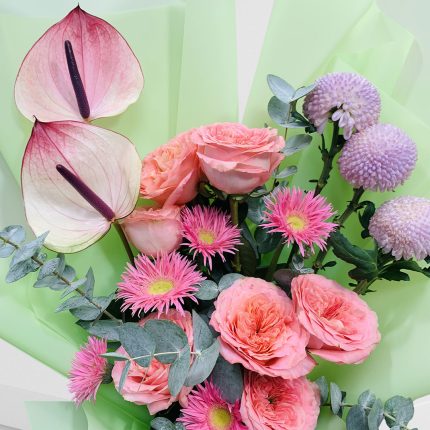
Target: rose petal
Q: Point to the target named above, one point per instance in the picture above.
(109, 70)
(105, 161)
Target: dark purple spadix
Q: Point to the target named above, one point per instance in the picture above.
(86, 192)
(75, 77)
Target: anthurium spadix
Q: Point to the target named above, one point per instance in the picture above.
(77, 179)
(80, 69)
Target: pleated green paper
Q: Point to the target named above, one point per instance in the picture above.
(187, 51)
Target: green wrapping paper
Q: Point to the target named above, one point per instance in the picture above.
(187, 51)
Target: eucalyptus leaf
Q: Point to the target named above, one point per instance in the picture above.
(89, 311)
(279, 111)
(168, 337)
(376, 415)
(48, 268)
(21, 269)
(323, 388)
(72, 303)
(356, 419)
(281, 88)
(256, 207)
(401, 409)
(297, 143)
(123, 377)
(202, 334)
(249, 259)
(14, 234)
(303, 91)
(249, 238)
(179, 426)
(285, 173)
(73, 287)
(161, 423)
(107, 329)
(229, 379)
(266, 241)
(227, 280)
(178, 371)
(335, 399)
(366, 399)
(89, 284)
(115, 356)
(208, 290)
(137, 341)
(203, 365)
(28, 250)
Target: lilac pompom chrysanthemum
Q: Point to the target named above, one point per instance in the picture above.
(401, 226)
(345, 97)
(379, 158)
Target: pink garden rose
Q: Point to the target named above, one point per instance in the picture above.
(153, 231)
(258, 329)
(171, 173)
(149, 386)
(342, 326)
(279, 404)
(236, 159)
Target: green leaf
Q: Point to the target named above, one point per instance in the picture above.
(279, 111)
(227, 280)
(48, 268)
(302, 91)
(376, 415)
(356, 419)
(281, 88)
(401, 409)
(249, 238)
(365, 216)
(203, 365)
(256, 208)
(179, 426)
(73, 286)
(229, 379)
(266, 241)
(22, 268)
(248, 258)
(393, 270)
(89, 284)
(28, 250)
(72, 303)
(115, 356)
(178, 371)
(202, 334)
(137, 341)
(90, 312)
(323, 387)
(161, 423)
(394, 275)
(107, 329)
(366, 399)
(168, 337)
(14, 234)
(335, 399)
(297, 143)
(208, 290)
(124, 374)
(285, 173)
(54, 282)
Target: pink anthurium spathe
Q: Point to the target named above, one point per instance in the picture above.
(77, 179)
(80, 69)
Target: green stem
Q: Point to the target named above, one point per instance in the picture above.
(124, 241)
(62, 278)
(274, 261)
(363, 286)
(234, 209)
(328, 157)
(353, 205)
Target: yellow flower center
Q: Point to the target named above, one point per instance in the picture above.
(296, 223)
(207, 237)
(162, 286)
(220, 418)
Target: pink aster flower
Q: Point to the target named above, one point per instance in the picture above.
(158, 284)
(401, 226)
(207, 410)
(345, 97)
(300, 217)
(88, 370)
(209, 231)
(379, 158)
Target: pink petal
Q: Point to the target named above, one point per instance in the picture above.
(110, 72)
(105, 161)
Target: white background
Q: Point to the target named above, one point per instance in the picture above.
(21, 377)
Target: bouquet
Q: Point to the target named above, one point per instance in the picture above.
(209, 326)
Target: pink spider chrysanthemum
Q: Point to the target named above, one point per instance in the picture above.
(158, 284)
(208, 231)
(88, 370)
(300, 217)
(207, 410)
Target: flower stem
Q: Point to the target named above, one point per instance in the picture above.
(363, 286)
(234, 209)
(124, 241)
(274, 261)
(340, 221)
(62, 278)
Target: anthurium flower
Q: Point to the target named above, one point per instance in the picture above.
(81, 68)
(76, 180)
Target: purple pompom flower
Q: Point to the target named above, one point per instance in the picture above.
(401, 226)
(379, 158)
(345, 97)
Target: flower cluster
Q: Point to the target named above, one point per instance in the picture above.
(208, 314)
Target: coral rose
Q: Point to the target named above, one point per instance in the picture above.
(236, 159)
(258, 328)
(171, 173)
(153, 231)
(149, 385)
(342, 326)
(279, 404)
